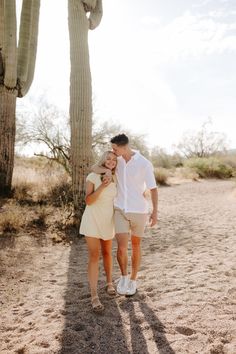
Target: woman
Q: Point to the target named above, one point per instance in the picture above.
(98, 227)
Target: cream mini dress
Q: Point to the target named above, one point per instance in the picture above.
(98, 218)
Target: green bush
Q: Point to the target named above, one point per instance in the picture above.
(211, 167)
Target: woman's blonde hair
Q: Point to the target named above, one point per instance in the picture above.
(102, 160)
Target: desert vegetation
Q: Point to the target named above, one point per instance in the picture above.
(42, 197)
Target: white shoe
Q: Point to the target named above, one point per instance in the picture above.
(131, 288)
(122, 285)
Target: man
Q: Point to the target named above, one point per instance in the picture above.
(134, 175)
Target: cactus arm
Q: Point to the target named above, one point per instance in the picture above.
(95, 12)
(95, 15)
(89, 4)
(24, 42)
(32, 48)
(9, 44)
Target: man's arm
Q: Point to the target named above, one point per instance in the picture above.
(154, 197)
(99, 169)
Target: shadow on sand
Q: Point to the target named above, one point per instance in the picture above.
(88, 333)
(84, 331)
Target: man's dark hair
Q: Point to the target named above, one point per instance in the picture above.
(120, 140)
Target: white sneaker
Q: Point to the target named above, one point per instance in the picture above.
(131, 288)
(122, 285)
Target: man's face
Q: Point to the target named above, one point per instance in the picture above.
(118, 150)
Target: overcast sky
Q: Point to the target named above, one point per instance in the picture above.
(158, 67)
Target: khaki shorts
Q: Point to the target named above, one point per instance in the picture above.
(126, 222)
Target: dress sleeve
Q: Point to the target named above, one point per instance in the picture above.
(92, 177)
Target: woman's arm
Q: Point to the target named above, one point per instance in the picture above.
(91, 194)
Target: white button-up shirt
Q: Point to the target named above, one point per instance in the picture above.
(133, 178)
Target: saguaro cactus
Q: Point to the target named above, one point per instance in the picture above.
(17, 65)
(81, 93)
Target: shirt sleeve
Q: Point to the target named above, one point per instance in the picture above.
(149, 176)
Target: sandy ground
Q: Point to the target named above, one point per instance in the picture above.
(186, 301)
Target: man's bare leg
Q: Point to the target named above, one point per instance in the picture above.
(122, 252)
(136, 255)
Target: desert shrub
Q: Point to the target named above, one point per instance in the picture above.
(211, 167)
(60, 194)
(11, 220)
(186, 173)
(229, 159)
(22, 192)
(38, 220)
(161, 176)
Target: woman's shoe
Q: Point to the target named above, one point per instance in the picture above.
(110, 289)
(96, 304)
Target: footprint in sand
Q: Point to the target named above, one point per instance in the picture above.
(48, 310)
(185, 330)
(149, 289)
(43, 344)
(78, 327)
(80, 285)
(27, 313)
(84, 296)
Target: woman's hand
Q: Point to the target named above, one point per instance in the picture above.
(106, 180)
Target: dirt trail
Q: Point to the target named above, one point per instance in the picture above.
(186, 301)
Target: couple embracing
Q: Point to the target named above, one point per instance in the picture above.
(115, 200)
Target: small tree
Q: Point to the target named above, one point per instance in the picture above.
(203, 143)
(160, 158)
(48, 127)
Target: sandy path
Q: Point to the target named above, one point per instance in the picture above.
(186, 301)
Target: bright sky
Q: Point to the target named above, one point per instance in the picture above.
(158, 67)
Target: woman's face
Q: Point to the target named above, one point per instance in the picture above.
(111, 161)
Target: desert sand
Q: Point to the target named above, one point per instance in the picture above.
(186, 299)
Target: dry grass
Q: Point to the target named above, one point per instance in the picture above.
(161, 176)
(40, 182)
(186, 173)
(12, 219)
(41, 200)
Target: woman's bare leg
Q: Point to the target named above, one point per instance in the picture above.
(93, 263)
(107, 258)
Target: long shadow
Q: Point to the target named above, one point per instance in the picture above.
(85, 332)
(138, 326)
(158, 330)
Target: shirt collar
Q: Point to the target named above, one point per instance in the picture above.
(136, 155)
(133, 157)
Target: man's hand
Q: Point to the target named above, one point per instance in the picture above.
(153, 218)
